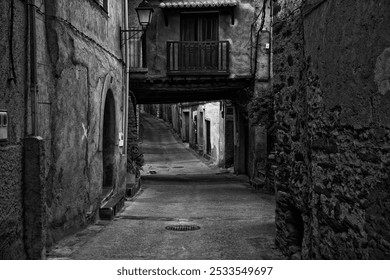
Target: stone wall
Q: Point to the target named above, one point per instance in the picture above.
(348, 101)
(11, 207)
(12, 93)
(291, 175)
(80, 47)
(34, 198)
(332, 153)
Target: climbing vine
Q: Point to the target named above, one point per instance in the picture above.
(135, 159)
(260, 108)
(260, 104)
(257, 30)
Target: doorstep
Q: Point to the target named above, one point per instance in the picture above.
(109, 209)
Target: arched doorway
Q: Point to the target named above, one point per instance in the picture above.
(109, 140)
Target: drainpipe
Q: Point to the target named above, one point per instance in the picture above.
(34, 185)
(27, 69)
(271, 53)
(33, 85)
(127, 85)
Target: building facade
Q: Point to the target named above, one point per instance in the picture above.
(13, 126)
(209, 59)
(65, 85)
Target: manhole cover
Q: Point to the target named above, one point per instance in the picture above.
(182, 227)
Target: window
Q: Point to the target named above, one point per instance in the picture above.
(199, 27)
(199, 51)
(103, 4)
(137, 49)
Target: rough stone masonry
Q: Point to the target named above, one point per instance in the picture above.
(332, 143)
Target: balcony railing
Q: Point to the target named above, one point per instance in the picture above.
(198, 57)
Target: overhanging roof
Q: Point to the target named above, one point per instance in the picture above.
(191, 5)
(197, 4)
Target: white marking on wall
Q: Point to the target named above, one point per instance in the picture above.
(85, 132)
(382, 72)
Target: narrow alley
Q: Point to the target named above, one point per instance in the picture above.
(195, 129)
(165, 154)
(234, 222)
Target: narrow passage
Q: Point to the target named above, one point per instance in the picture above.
(234, 222)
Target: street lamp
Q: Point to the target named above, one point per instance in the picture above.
(144, 13)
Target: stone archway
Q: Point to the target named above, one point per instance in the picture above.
(108, 145)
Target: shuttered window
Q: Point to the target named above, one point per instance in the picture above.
(137, 49)
(199, 27)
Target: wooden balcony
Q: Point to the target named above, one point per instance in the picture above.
(198, 58)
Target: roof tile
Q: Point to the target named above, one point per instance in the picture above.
(197, 4)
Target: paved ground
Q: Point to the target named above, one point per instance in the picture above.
(166, 154)
(235, 222)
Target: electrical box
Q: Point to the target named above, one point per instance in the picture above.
(120, 139)
(3, 125)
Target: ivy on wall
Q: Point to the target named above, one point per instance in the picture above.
(260, 108)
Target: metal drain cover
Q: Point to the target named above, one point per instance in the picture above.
(182, 227)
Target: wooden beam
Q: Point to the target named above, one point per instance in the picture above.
(175, 91)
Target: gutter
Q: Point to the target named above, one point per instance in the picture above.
(33, 80)
(127, 78)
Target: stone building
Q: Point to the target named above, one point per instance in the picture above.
(64, 89)
(12, 124)
(208, 51)
(332, 128)
(210, 131)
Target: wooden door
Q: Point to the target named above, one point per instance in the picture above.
(208, 137)
(208, 33)
(186, 126)
(199, 34)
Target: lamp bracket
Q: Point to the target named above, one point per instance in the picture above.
(133, 33)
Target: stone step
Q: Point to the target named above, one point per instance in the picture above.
(132, 190)
(109, 209)
(132, 185)
(260, 184)
(257, 183)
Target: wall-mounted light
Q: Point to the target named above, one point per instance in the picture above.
(144, 14)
